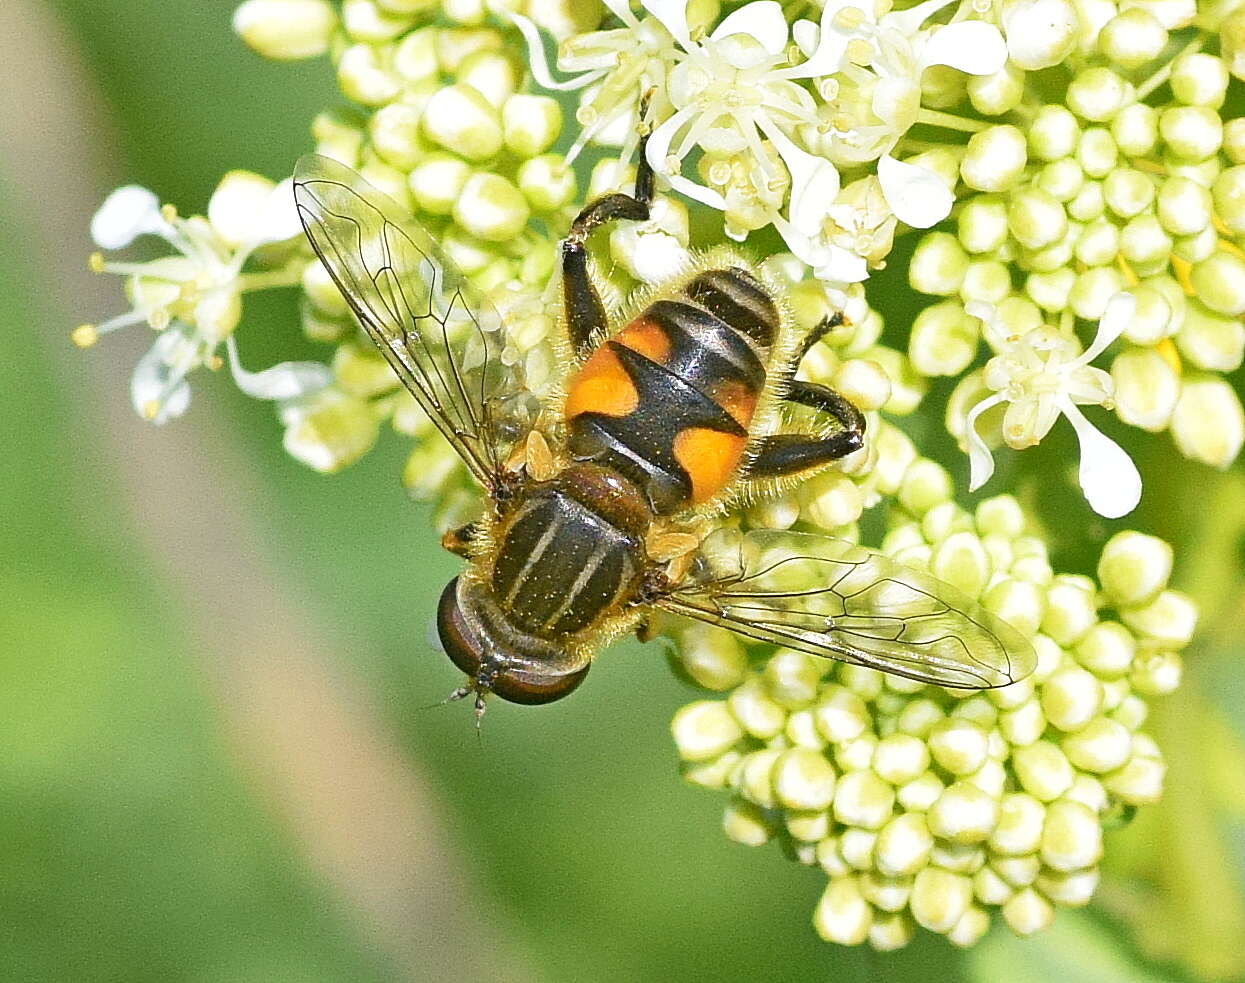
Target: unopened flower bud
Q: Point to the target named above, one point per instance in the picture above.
(994, 159)
(704, 730)
(491, 208)
(1192, 132)
(286, 29)
(1097, 94)
(363, 78)
(1220, 283)
(1132, 38)
(1146, 388)
(463, 121)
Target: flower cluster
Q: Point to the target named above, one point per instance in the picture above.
(928, 806)
(1078, 164)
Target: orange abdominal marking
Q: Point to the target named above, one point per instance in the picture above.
(602, 386)
(737, 398)
(709, 457)
(646, 337)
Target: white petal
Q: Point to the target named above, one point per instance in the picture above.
(908, 22)
(830, 45)
(841, 265)
(536, 58)
(278, 220)
(980, 461)
(287, 380)
(125, 215)
(814, 180)
(762, 19)
(673, 17)
(918, 197)
(972, 46)
(1115, 319)
(155, 393)
(1108, 476)
(659, 148)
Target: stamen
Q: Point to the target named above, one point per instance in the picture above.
(85, 335)
(95, 262)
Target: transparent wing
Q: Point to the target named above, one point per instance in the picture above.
(832, 598)
(443, 339)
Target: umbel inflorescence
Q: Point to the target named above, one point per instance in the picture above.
(1085, 191)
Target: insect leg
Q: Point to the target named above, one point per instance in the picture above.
(790, 453)
(585, 313)
(458, 541)
(825, 325)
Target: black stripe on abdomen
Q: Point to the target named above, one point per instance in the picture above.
(737, 298)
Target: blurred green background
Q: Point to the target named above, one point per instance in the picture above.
(213, 764)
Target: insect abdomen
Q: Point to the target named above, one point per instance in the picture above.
(668, 400)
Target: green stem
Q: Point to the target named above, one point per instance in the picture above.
(1164, 73)
(935, 117)
(289, 276)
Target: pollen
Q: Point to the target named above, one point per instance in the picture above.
(151, 409)
(95, 262)
(849, 18)
(859, 51)
(85, 335)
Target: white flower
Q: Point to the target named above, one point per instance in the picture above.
(194, 298)
(1040, 375)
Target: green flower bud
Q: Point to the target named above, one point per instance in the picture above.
(1135, 129)
(1071, 698)
(792, 678)
(1050, 290)
(989, 888)
(714, 658)
(864, 383)
(1184, 206)
(1139, 782)
(463, 121)
(1211, 341)
(862, 799)
(493, 75)
(1092, 290)
(1199, 79)
(754, 777)
(286, 29)
(1107, 649)
(843, 915)
(364, 21)
(1089, 202)
(1100, 746)
(1169, 619)
(547, 182)
(943, 340)
(801, 731)
(1053, 133)
(1134, 568)
(704, 730)
(1234, 140)
(415, 57)
(1073, 889)
(1055, 256)
(959, 746)
(760, 716)
(940, 898)
(1027, 912)
(1071, 837)
(1040, 33)
(938, 265)
(1228, 194)
(1192, 132)
(831, 500)
(745, 823)
(1096, 152)
(803, 779)
(1017, 872)
(903, 845)
(1195, 248)
(1132, 38)
(857, 845)
(994, 159)
(900, 758)
(1043, 769)
(961, 560)
(1127, 192)
(332, 433)
(530, 123)
(1070, 610)
(491, 208)
(437, 182)
(920, 793)
(925, 485)
(1000, 92)
(908, 387)
(1036, 219)
(395, 134)
(337, 136)
(1061, 179)
(1220, 283)
(1145, 245)
(1097, 94)
(808, 827)
(1099, 243)
(1023, 725)
(830, 859)
(1156, 673)
(841, 715)
(1208, 422)
(1019, 828)
(364, 79)
(890, 931)
(1018, 603)
(964, 814)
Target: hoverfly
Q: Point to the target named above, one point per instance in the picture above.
(598, 502)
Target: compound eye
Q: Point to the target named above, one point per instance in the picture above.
(456, 638)
(531, 689)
